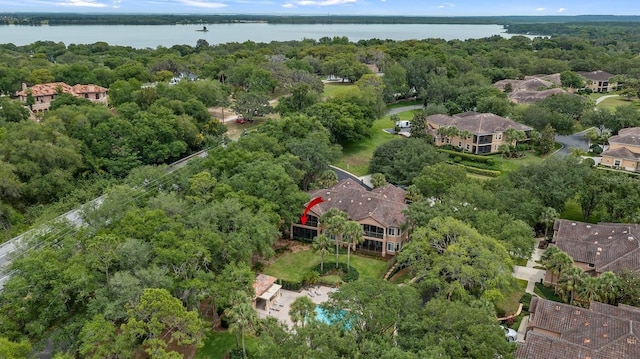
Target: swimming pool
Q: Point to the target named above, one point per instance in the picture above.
(327, 318)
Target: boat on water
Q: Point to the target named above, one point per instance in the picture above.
(204, 29)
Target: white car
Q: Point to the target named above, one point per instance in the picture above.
(510, 334)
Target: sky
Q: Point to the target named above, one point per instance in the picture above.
(333, 7)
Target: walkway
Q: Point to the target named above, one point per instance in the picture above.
(280, 311)
(532, 276)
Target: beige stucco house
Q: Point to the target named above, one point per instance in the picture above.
(379, 211)
(624, 150)
(44, 94)
(486, 131)
(598, 81)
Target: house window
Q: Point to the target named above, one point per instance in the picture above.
(398, 246)
(97, 96)
(495, 147)
(86, 95)
(373, 231)
(499, 136)
(459, 143)
(616, 163)
(312, 221)
(591, 265)
(390, 246)
(393, 231)
(467, 147)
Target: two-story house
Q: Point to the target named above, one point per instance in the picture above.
(44, 94)
(624, 150)
(597, 248)
(379, 211)
(562, 331)
(598, 81)
(485, 131)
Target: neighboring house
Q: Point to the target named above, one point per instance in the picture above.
(267, 291)
(624, 150)
(598, 81)
(598, 248)
(562, 331)
(379, 211)
(44, 94)
(532, 88)
(183, 76)
(486, 130)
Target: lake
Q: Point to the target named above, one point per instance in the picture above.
(152, 36)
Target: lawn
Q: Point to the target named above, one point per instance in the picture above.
(546, 293)
(572, 211)
(331, 88)
(512, 164)
(293, 266)
(613, 102)
(217, 344)
(511, 301)
(356, 156)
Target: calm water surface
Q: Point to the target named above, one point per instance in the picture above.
(152, 36)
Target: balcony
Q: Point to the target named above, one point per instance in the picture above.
(373, 234)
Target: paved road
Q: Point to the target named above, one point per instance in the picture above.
(575, 140)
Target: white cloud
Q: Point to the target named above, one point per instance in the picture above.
(82, 3)
(540, 9)
(323, 2)
(205, 4)
(288, 6)
(562, 9)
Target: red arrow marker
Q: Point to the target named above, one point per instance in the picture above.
(303, 218)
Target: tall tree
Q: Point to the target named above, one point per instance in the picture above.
(242, 316)
(302, 310)
(321, 244)
(352, 235)
(334, 222)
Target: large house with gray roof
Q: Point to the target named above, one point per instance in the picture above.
(598, 248)
(562, 331)
(485, 131)
(380, 212)
(624, 150)
(598, 81)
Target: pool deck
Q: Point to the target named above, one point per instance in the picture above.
(280, 311)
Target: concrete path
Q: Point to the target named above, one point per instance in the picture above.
(531, 275)
(600, 99)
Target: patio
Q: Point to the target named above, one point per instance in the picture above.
(281, 307)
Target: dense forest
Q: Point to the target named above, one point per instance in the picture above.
(171, 250)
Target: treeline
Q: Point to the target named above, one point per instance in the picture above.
(162, 19)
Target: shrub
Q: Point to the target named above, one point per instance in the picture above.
(457, 159)
(466, 156)
(294, 286)
(351, 276)
(346, 275)
(482, 172)
(589, 161)
(526, 301)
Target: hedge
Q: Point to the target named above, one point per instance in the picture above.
(288, 285)
(349, 275)
(482, 172)
(468, 156)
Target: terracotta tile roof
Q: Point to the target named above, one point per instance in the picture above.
(53, 87)
(385, 205)
(477, 123)
(627, 136)
(529, 90)
(559, 330)
(529, 97)
(596, 75)
(263, 283)
(607, 246)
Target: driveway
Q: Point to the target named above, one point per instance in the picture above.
(568, 142)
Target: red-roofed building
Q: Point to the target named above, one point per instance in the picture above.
(267, 291)
(379, 211)
(44, 94)
(562, 331)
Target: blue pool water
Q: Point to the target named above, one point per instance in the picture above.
(324, 317)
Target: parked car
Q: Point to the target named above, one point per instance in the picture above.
(240, 119)
(403, 124)
(510, 334)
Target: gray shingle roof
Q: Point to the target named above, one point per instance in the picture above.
(596, 75)
(627, 136)
(621, 152)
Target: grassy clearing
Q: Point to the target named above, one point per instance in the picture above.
(293, 266)
(511, 301)
(331, 88)
(546, 293)
(613, 102)
(512, 164)
(356, 156)
(217, 344)
(572, 211)
(403, 276)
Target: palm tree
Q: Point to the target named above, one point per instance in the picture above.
(241, 315)
(569, 281)
(609, 287)
(560, 262)
(548, 217)
(334, 221)
(448, 132)
(589, 289)
(301, 310)
(352, 235)
(321, 244)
